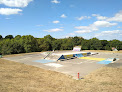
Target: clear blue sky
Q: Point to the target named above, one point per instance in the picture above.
(62, 18)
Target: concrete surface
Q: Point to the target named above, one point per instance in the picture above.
(69, 67)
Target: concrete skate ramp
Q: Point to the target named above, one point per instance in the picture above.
(73, 55)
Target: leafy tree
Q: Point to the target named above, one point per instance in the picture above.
(104, 44)
(7, 47)
(45, 46)
(40, 42)
(17, 46)
(29, 43)
(56, 44)
(85, 45)
(77, 41)
(67, 44)
(107, 47)
(17, 37)
(116, 43)
(48, 37)
(1, 37)
(48, 40)
(0, 47)
(95, 44)
(9, 37)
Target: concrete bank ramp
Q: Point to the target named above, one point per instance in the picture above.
(51, 56)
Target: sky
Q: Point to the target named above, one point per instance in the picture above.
(62, 18)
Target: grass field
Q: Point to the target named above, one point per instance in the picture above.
(16, 77)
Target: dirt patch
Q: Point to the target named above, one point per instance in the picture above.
(16, 77)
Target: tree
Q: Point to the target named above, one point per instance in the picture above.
(85, 45)
(45, 46)
(0, 47)
(56, 44)
(40, 42)
(95, 44)
(9, 37)
(48, 37)
(29, 43)
(77, 40)
(67, 44)
(107, 47)
(17, 37)
(7, 47)
(48, 40)
(1, 37)
(116, 43)
(104, 44)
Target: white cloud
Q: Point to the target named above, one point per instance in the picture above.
(90, 27)
(54, 30)
(117, 17)
(99, 17)
(55, 22)
(55, 1)
(9, 11)
(86, 29)
(94, 27)
(63, 16)
(83, 17)
(83, 31)
(104, 24)
(15, 3)
(115, 34)
(108, 33)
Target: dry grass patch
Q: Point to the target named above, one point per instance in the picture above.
(107, 79)
(16, 77)
(21, 54)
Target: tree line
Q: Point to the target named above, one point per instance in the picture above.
(27, 43)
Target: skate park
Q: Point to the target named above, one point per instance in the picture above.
(69, 62)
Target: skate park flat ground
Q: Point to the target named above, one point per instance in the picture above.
(69, 67)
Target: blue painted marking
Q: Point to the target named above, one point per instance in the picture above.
(78, 55)
(89, 53)
(104, 62)
(62, 57)
(43, 61)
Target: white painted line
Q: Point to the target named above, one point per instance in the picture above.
(54, 65)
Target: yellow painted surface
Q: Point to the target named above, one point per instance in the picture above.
(91, 58)
(84, 54)
(68, 56)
